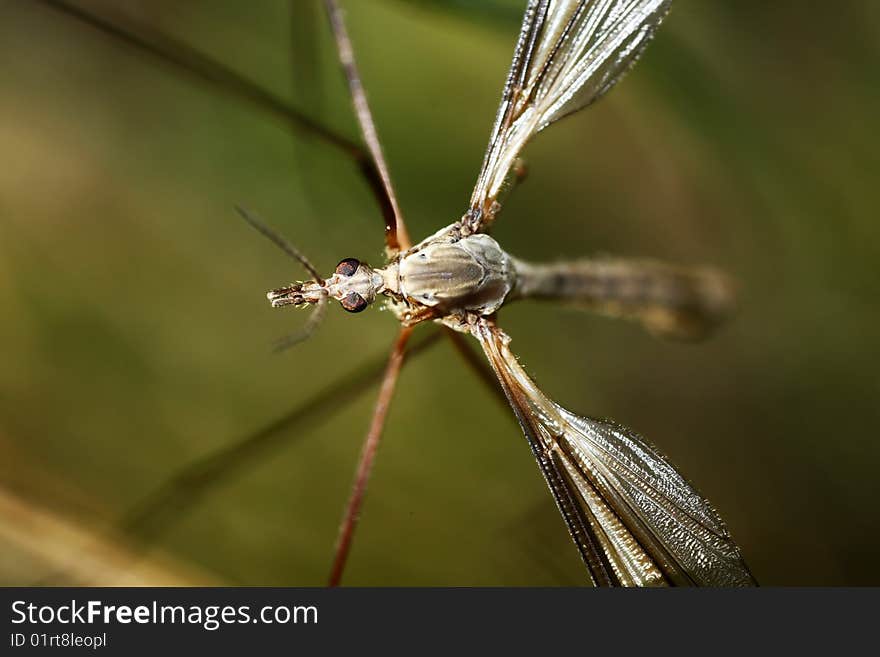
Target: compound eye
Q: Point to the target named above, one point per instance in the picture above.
(348, 266)
(354, 302)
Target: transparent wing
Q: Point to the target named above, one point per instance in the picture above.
(569, 53)
(635, 520)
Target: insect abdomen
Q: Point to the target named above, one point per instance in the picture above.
(671, 301)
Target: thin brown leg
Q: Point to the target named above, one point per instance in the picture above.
(186, 60)
(368, 454)
(169, 502)
(183, 489)
(396, 236)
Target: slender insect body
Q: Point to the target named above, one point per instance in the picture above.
(445, 274)
(633, 518)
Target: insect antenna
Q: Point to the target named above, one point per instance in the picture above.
(317, 315)
(280, 242)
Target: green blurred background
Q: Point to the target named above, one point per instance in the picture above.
(136, 336)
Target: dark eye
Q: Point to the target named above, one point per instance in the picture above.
(348, 266)
(354, 302)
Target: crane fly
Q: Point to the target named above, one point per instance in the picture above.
(634, 519)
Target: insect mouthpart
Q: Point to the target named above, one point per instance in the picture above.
(297, 294)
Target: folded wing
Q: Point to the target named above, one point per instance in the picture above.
(635, 520)
(569, 53)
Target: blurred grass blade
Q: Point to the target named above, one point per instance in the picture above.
(171, 499)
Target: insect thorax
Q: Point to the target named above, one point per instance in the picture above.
(453, 275)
